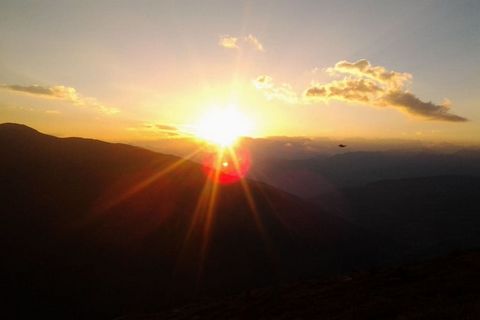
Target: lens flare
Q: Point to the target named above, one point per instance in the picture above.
(227, 167)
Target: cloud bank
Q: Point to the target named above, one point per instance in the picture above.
(62, 93)
(365, 84)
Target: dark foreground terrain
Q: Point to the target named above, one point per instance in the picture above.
(442, 288)
(431, 215)
(94, 230)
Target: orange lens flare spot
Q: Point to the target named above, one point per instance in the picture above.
(227, 166)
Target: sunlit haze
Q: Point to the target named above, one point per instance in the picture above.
(223, 126)
(132, 71)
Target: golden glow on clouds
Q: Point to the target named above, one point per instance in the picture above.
(59, 92)
(283, 92)
(223, 127)
(249, 41)
(253, 41)
(149, 107)
(228, 42)
(362, 83)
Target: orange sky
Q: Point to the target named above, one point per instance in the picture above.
(124, 71)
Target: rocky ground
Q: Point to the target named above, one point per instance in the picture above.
(442, 288)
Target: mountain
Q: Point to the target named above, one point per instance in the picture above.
(440, 288)
(432, 215)
(323, 174)
(94, 230)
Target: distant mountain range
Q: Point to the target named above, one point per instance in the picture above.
(94, 230)
(323, 174)
(307, 167)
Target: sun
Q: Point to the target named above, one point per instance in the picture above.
(223, 127)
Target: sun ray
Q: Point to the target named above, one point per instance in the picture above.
(146, 182)
(203, 217)
(210, 215)
(254, 210)
(246, 189)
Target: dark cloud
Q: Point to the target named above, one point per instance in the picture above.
(414, 105)
(158, 130)
(61, 92)
(166, 127)
(316, 91)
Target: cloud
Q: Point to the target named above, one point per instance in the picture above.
(166, 127)
(263, 82)
(157, 130)
(52, 112)
(363, 68)
(283, 92)
(355, 90)
(365, 84)
(230, 42)
(167, 130)
(414, 105)
(253, 41)
(62, 93)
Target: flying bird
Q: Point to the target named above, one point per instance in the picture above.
(342, 145)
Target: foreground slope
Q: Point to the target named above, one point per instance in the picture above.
(442, 288)
(93, 230)
(431, 215)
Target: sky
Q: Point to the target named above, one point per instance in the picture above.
(131, 70)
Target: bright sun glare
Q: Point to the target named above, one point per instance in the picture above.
(223, 127)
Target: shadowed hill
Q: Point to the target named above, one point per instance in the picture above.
(94, 230)
(443, 288)
(433, 215)
(310, 177)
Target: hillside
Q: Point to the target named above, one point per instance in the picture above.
(323, 174)
(432, 215)
(442, 288)
(95, 230)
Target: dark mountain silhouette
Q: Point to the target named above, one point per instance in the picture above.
(95, 230)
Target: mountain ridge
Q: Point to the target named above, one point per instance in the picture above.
(107, 218)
